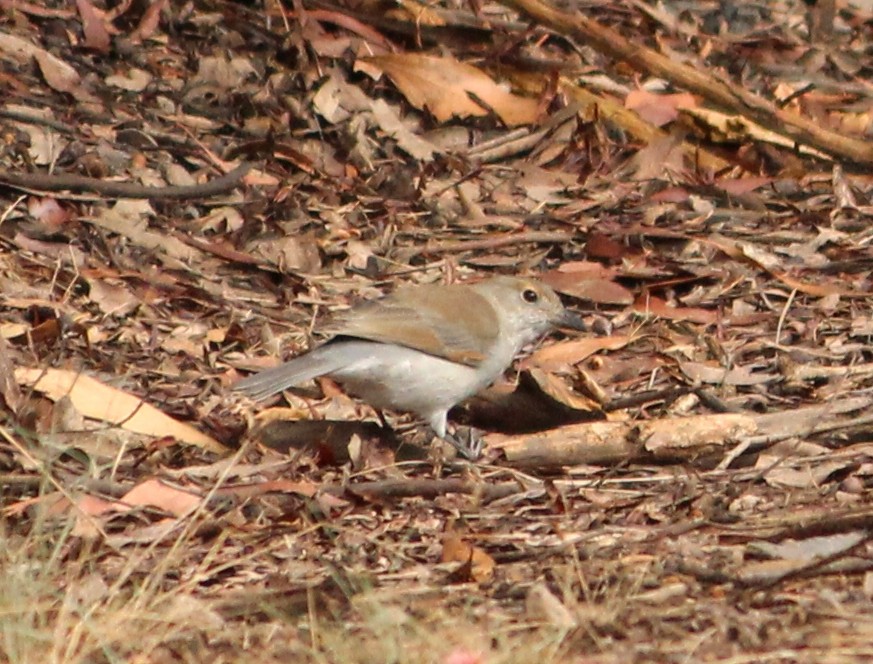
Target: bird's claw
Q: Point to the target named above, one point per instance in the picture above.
(469, 446)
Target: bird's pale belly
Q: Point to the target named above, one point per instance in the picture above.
(403, 379)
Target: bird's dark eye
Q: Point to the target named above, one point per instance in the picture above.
(530, 295)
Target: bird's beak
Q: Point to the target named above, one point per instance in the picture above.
(571, 320)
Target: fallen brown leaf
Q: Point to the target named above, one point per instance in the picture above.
(448, 88)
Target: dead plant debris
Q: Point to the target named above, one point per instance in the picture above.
(187, 188)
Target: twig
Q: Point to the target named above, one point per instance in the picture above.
(424, 488)
(32, 118)
(80, 183)
(667, 394)
(784, 314)
(769, 439)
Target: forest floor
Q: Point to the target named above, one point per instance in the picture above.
(189, 189)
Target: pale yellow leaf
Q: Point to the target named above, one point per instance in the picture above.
(100, 402)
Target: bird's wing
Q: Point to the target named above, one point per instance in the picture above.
(452, 322)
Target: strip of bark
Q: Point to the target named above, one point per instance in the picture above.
(689, 439)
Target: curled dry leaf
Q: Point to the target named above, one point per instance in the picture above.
(480, 565)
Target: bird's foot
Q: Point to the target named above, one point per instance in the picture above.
(467, 441)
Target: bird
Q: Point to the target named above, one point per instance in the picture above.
(423, 349)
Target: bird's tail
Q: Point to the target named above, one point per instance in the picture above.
(295, 372)
(335, 355)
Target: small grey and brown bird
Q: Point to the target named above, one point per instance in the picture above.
(424, 349)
